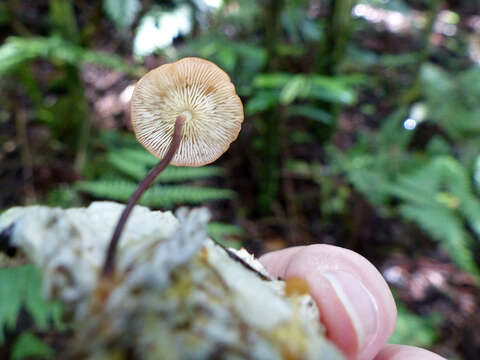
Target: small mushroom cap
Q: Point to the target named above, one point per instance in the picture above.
(199, 91)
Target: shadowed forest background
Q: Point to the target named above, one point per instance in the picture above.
(362, 130)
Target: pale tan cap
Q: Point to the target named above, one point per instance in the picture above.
(201, 92)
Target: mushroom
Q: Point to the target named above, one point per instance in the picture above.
(185, 113)
(203, 95)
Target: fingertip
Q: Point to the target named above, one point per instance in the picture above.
(276, 262)
(404, 352)
(355, 303)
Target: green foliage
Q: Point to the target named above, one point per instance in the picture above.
(282, 89)
(452, 100)
(137, 163)
(17, 51)
(4, 14)
(431, 189)
(476, 174)
(159, 196)
(239, 59)
(62, 18)
(21, 288)
(332, 199)
(439, 198)
(415, 330)
(375, 160)
(28, 346)
(311, 112)
(127, 163)
(298, 27)
(63, 196)
(122, 12)
(225, 234)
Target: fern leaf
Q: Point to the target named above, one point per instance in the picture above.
(21, 287)
(181, 173)
(121, 162)
(470, 208)
(137, 154)
(452, 96)
(160, 196)
(439, 198)
(156, 196)
(136, 164)
(223, 233)
(17, 50)
(446, 228)
(223, 229)
(28, 346)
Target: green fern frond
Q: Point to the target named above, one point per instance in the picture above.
(452, 96)
(448, 229)
(225, 233)
(21, 287)
(156, 196)
(183, 194)
(440, 199)
(137, 154)
(28, 346)
(470, 208)
(182, 173)
(216, 228)
(136, 164)
(18, 50)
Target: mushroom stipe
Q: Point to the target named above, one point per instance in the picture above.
(142, 187)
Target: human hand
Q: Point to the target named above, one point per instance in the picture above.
(355, 303)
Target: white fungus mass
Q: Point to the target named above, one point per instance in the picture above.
(203, 95)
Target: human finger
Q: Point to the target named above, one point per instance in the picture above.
(403, 352)
(355, 303)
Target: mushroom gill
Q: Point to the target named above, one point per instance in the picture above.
(203, 95)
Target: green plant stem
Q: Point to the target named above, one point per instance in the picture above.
(80, 116)
(435, 6)
(273, 11)
(338, 33)
(81, 155)
(270, 152)
(108, 266)
(331, 53)
(415, 91)
(291, 208)
(26, 156)
(16, 25)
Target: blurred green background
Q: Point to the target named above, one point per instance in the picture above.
(362, 130)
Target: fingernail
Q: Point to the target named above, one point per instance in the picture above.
(358, 302)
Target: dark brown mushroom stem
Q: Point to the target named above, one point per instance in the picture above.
(108, 266)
